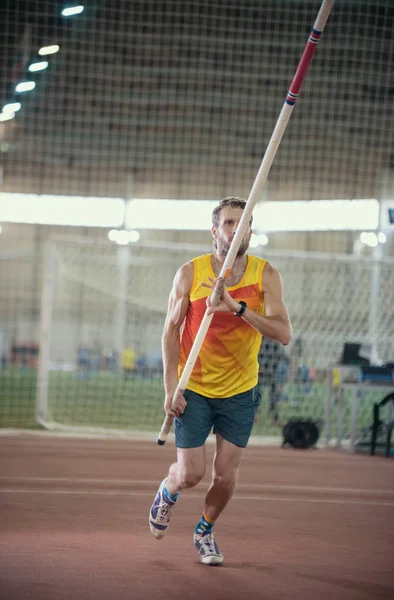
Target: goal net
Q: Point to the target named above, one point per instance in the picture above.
(103, 314)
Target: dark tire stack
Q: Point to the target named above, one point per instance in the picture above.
(300, 434)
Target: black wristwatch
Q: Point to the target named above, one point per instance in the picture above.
(242, 309)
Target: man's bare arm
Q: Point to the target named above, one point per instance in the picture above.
(178, 304)
(275, 324)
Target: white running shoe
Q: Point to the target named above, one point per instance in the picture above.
(160, 513)
(208, 548)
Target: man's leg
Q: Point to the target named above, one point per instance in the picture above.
(191, 431)
(224, 477)
(234, 418)
(185, 473)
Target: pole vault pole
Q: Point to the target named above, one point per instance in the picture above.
(254, 196)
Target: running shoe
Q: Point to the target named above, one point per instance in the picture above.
(160, 513)
(208, 548)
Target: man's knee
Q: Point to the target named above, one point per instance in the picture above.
(225, 480)
(187, 475)
(190, 479)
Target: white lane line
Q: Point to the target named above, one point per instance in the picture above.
(146, 494)
(155, 483)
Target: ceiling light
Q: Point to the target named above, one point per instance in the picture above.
(48, 50)
(12, 107)
(38, 66)
(74, 10)
(7, 116)
(25, 86)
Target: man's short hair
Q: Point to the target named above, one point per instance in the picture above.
(232, 202)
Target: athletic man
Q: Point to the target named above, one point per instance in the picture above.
(223, 390)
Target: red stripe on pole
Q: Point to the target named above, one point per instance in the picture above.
(303, 67)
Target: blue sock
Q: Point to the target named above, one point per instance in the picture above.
(204, 525)
(168, 496)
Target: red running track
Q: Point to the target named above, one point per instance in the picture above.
(314, 524)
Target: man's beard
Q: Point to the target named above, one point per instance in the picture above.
(224, 248)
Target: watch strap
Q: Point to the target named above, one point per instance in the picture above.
(241, 311)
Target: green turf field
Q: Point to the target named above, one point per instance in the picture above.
(106, 400)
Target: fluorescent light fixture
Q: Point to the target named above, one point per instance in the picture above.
(61, 210)
(74, 10)
(25, 86)
(6, 116)
(123, 237)
(38, 66)
(313, 215)
(372, 239)
(369, 238)
(363, 237)
(253, 241)
(48, 50)
(12, 107)
(262, 239)
(169, 214)
(134, 236)
(317, 215)
(258, 239)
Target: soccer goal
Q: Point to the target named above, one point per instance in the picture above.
(103, 308)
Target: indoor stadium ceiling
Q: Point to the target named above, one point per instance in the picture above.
(179, 99)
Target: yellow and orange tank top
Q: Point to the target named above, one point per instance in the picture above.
(227, 363)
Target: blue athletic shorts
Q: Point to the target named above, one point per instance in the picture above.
(232, 418)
